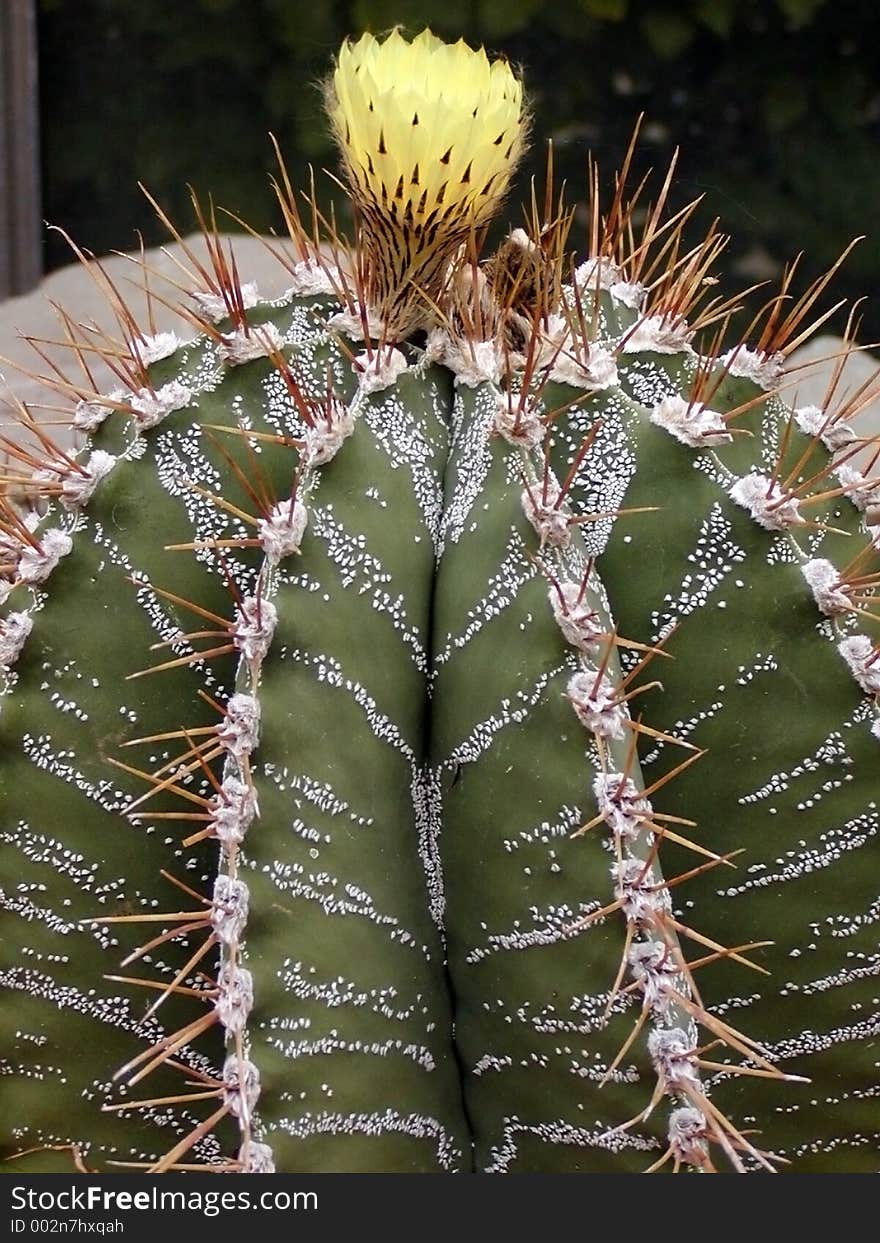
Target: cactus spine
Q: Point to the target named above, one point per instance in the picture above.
(416, 719)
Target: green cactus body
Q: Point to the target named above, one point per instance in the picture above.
(498, 790)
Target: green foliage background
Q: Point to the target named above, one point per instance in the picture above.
(774, 103)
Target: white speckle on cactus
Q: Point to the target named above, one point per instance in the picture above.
(596, 704)
(655, 334)
(259, 341)
(539, 504)
(325, 439)
(241, 1081)
(875, 728)
(77, 490)
(815, 422)
(380, 369)
(255, 622)
(770, 507)
(863, 659)
(581, 625)
(518, 420)
(35, 565)
(691, 422)
(824, 582)
(254, 1158)
(229, 909)
(150, 408)
(595, 373)
(765, 370)
(14, 630)
(240, 730)
(153, 349)
(233, 811)
(235, 998)
(622, 805)
(214, 306)
(281, 533)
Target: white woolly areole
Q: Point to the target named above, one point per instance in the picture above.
(153, 349)
(757, 494)
(875, 729)
(687, 1135)
(311, 278)
(235, 998)
(214, 306)
(690, 422)
(864, 493)
(89, 415)
(240, 730)
(815, 422)
(282, 532)
(14, 630)
(633, 883)
(765, 370)
(621, 804)
(657, 335)
(36, 566)
(597, 273)
(229, 909)
(675, 1057)
(255, 622)
(864, 661)
(519, 424)
(77, 490)
(233, 811)
(824, 582)
(471, 362)
(595, 374)
(241, 1081)
(654, 968)
(151, 408)
(243, 347)
(550, 522)
(254, 1158)
(580, 624)
(595, 702)
(350, 324)
(629, 293)
(380, 370)
(325, 439)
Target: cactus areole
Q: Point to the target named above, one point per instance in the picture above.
(440, 706)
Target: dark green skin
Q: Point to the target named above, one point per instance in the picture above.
(538, 1107)
(423, 997)
(806, 714)
(358, 919)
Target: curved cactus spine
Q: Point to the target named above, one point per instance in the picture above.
(406, 600)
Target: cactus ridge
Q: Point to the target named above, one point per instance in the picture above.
(415, 606)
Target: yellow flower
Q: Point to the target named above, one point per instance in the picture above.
(430, 134)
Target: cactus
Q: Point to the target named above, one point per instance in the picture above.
(414, 683)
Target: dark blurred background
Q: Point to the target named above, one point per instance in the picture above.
(774, 103)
